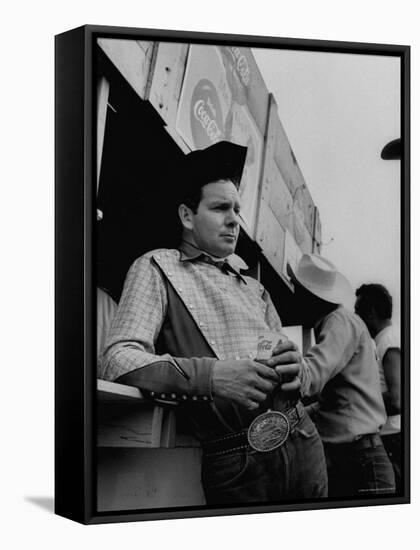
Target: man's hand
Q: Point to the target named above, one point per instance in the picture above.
(287, 363)
(243, 381)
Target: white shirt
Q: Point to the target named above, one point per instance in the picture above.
(386, 339)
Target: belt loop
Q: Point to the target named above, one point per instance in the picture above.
(300, 410)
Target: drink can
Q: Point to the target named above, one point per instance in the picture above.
(266, 342)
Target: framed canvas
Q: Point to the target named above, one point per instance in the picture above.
(166, 406)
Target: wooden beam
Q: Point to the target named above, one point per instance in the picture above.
(110, 391)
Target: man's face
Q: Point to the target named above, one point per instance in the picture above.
(215, 226)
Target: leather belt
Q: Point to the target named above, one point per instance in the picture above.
(367, 441)
(241, 440)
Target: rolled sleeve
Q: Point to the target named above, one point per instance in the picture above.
(336, 344)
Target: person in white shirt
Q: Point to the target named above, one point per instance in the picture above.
(341, 371)
(374, 306)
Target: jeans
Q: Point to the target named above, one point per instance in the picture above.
(354, 471)
(296, 470)
(392, 444)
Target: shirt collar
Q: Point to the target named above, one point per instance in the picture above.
(190, 252)
(382, 331)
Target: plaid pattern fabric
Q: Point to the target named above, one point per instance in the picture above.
(228, 311)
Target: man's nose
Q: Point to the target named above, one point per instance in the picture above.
(232, 218)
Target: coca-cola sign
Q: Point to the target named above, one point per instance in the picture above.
(241, 65)
(206, 115)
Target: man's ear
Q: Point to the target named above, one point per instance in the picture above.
(186, 216)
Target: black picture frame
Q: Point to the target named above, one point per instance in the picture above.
(75, 246)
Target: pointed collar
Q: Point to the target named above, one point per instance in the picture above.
(189, 252)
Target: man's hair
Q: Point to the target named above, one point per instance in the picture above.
(190, 196)
(221, 161)
(376, 296)
(194, 193)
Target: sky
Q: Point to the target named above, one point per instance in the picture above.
(338, 111)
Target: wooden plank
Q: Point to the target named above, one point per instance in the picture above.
(275, 191)
(246, 82)
(168, 431)
(246, 132)
(293, 177)
(283, 154)
(112, 392)
(126, 418)
(295, 209)
(166, 80)
(133, 479)
(132, 58)
(291, 256)
(187, 441)
(298, 229)
(130, 426)
(270, 237)
(288, 203)
(279, 199)
(280, 152)
(308, 208)
(317, 232)
(306, 244)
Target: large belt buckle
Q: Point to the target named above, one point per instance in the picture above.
(268, 431)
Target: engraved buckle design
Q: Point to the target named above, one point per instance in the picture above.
(268, 431)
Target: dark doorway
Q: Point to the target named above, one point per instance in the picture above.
(136, 183)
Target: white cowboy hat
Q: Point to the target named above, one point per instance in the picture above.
(321, 278)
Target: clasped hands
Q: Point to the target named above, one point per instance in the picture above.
(248, 382)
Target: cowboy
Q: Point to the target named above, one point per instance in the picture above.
(186, 332)
(374, 306)
(341, 370)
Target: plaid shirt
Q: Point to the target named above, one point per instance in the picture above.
(229, 310)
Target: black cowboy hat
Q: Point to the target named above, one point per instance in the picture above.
(223, 160)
